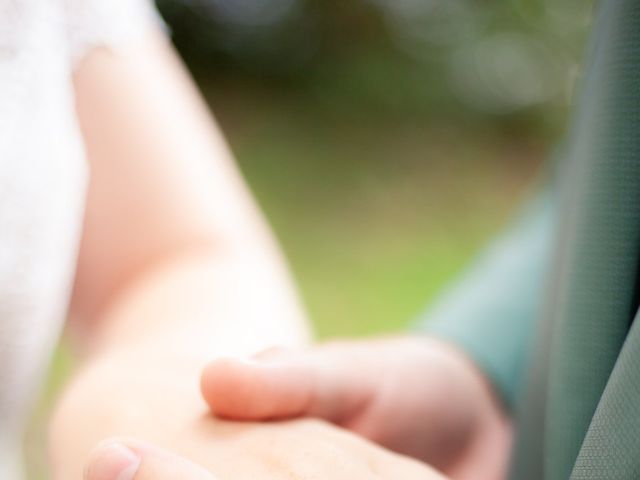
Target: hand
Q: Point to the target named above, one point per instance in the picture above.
(416, 396)
(318, 452)
(297, 450)
(133, 460)
(140, 394)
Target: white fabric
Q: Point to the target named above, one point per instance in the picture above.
(42, 182)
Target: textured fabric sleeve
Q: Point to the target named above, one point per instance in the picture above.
(491, 311)
(108, 23)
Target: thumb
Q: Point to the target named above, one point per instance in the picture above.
(329, 382)
(133, 460)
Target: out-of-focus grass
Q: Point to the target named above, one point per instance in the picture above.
(375, 213)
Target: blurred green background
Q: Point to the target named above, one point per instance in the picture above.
(386, 140)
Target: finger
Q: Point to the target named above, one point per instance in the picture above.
(259, 388)
(324, 382)
(132, 460)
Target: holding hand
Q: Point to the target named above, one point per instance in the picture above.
(416, 396)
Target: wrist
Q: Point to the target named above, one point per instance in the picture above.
(139, 394)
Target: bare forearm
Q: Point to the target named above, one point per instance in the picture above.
(212, 300)
(142, 377)
(175, 266)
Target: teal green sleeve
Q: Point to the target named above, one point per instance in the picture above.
(491, 312)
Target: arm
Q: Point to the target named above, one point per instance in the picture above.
(163, 190)
(176, 264)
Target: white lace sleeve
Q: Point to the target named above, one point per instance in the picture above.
(108, 23)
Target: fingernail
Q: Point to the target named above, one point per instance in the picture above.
(113, 461)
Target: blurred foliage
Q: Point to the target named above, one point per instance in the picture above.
(385, 139)
(375, 216)
(511, 62)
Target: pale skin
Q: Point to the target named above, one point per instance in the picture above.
(416, 396)
(177, 267)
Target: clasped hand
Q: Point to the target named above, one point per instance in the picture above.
(384, 409)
